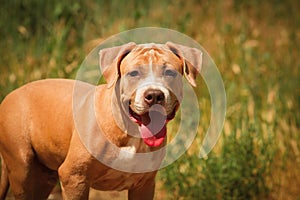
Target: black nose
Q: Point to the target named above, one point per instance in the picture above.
(152, 97)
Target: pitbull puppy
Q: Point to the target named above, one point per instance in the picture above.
(87, 136)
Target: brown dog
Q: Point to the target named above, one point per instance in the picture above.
(64, 129)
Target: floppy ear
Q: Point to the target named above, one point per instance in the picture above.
(192, 60)
(110, 60)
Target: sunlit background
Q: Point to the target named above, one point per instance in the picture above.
(255, 45)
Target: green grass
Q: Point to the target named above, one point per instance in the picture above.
(255, 46)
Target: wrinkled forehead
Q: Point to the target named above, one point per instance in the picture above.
(151, 55)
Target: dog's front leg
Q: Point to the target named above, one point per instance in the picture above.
(74, 187)
(146, 192)
(73, 172)
(74, 184)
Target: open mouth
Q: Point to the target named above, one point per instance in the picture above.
(153, 124)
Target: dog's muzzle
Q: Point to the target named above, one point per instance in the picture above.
(152, 108)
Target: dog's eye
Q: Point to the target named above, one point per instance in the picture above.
(133, 73)
(171, 73)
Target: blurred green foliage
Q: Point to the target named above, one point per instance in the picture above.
(255, 44)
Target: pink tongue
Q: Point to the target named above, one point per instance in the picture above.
(153, 139)
(153, 127)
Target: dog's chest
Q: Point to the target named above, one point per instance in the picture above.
(128, 177)
(135, 158)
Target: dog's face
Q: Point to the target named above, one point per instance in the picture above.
(149, 78)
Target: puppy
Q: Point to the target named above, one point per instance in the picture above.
(95, 136)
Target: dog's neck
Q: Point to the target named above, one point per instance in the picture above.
(121, 117)
(105, 118)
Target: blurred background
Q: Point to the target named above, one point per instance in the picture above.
(256, 46)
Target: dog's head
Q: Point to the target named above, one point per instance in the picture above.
(150, 82)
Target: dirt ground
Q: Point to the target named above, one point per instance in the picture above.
(94, 195)
(98, 195)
